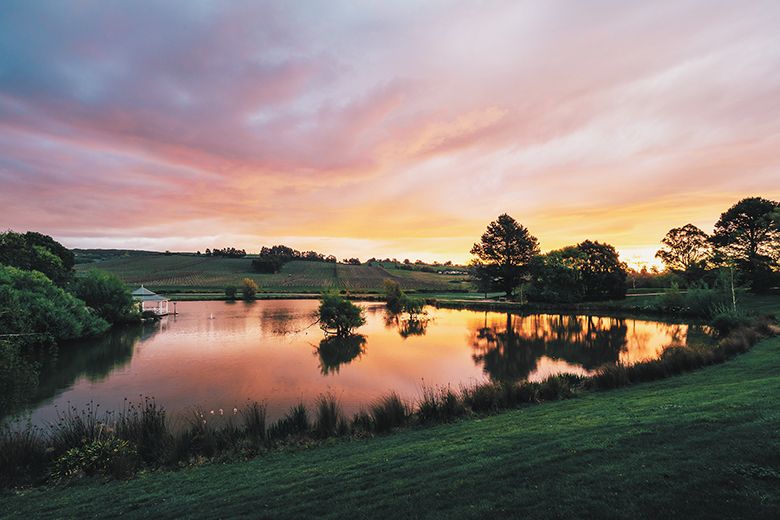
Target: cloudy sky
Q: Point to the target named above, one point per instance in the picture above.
(383, 128)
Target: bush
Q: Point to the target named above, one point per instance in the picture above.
(43, 308)
(110, 456)
(725, 320)
(231, 291)
(558, 387)
(105, 294)
(485, 397)
(248, 289)
(338, 315)
(389, 412)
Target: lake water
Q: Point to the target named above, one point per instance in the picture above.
(219, 355)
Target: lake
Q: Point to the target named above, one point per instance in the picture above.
(216, 355)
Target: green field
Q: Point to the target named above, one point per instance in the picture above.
(191, 273)
(702, 445)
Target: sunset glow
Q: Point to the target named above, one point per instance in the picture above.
(398, 129)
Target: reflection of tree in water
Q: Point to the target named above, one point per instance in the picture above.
(59, 367)
(281, 321)
(510, 351)
(335, 351)
(406, 324)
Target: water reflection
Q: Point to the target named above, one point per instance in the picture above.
(218, 355)
(335, 351)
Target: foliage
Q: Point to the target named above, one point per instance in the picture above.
(338, 315)
(748, 234)
(393, 295)
(18, 373)
(31, 304)
(248, 289)
(227, 252)
(726, 319)
(686, 250)
(33, 251)
(105, 294)
(389, 412)
(337, 350)
(271, 259)
(589, 271)
(109, 456)
(254, 418)
(296, 422)
(329, 418)
(231, 291)
(504, 252)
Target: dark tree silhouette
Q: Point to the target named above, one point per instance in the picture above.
(686, 250)
(749, 234)
(504, 252)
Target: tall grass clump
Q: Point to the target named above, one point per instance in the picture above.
(389, 412)
(329, 420)
(295, 422)
(75, 427)
(24, 457)
(439, 405)
(145, 426)
(253, 416)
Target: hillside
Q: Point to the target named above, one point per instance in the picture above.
(191, 273)
(702, 445)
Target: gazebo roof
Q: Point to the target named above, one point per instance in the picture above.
(145, 295)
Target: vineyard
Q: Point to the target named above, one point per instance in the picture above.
(191, 273)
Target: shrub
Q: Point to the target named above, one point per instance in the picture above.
(49, 310)
(248, 289)
(726, 319)
(231, 291)
(329, 418)
(106, 294)
(610, 376)
(389, 412)
(338, 315)
(110, 456)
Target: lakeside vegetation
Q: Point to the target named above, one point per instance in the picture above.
(631, 445)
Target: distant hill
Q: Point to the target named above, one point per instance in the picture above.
(188, 272)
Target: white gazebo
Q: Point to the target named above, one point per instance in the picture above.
(150, 301)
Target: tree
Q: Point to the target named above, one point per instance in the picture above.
(589, 271)
(687, 250)
(394, 296)
(338, 315)
(105, 294)
(748, 234)
(603, 274)
(48, 310)
(248, 289)
(481, 276)
(33, 251)
(505, 250)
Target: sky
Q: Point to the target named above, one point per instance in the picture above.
(386, 129)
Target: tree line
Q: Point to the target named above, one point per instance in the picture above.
(746, 238)
(271, 259)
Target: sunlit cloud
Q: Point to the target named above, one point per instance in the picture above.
(389, 130)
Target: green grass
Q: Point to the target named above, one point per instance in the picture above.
(190, 273)
(702, 445)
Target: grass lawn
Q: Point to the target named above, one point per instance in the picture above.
(702, 445)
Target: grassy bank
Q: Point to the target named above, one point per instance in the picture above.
(701, 445)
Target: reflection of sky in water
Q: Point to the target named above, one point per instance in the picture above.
(272, 351)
